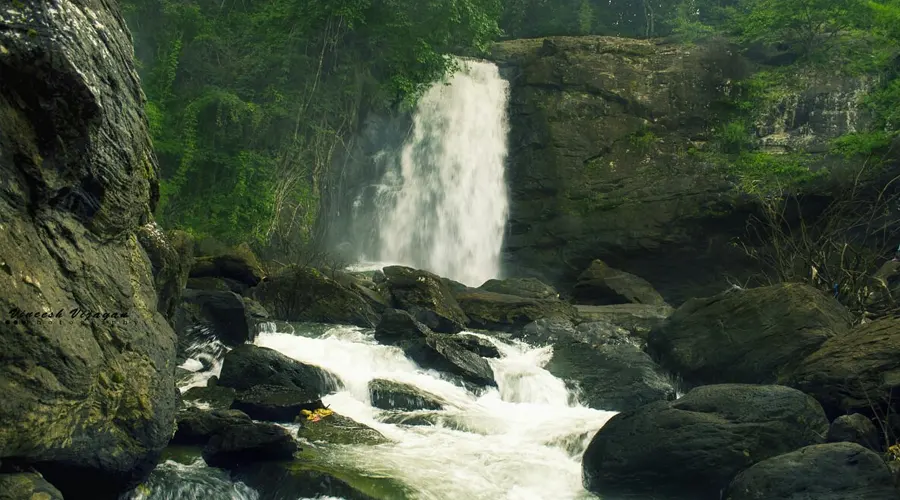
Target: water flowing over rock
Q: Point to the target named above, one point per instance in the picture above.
(443, 207)
(88, 401)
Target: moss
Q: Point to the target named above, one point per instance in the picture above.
(337, 429)
(382, 488)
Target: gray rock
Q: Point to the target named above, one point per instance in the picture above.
(391, 395)
(248, 365)
(855, 428)
(836, 471)
(600, 284)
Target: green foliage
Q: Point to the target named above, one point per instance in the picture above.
(249, 102)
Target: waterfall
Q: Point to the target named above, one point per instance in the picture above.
(445, 205)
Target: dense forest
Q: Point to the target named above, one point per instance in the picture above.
(251, 103)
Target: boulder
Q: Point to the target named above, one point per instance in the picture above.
(855, 372)
(239, 264)
(276, 403)
(692, 447)
(610, 377)
(426, 297)
(855, 428)
(600, 284)
(391, 395)
(27, 486)
(747, 336)
(638, 319)
(884, 288)
(494, 311)
(171, 255)
(550, 331)
(255, 442)
(89, 400)
(521, 287)
(305, 294)
(435, 351)
(299, 480)
(224, 312)
(325, 426)
(196, 426)
(213, 396)
(248, 365)
(477, 345)
(835, 471)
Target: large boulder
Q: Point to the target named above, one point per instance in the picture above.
(426, 297)
(856, 372)
(237, 445)
(610, 377)
(196, 426)
(495, 311)
(306, 294)
(248, 365)
(392, 395)
(170, 256)
(238, 264)
(692, 447)
(27, 486)
(854, 428)
(600, 285)
(836, 471)
(88, 401)
(224, 312)
(747, 336)
(521, 287)
(638, 319)
(276, 403)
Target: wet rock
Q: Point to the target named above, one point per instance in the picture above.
(362, 284)
(692, 447)
(426, 297)
(256, 311)
(330, 428)
(27, 486)
(298, 480)
(87, 401)
(248, 365)
(306, 294)
(494, 311)
(855, 372)
(239, 264)
(196, 426)
(390, 395)
(600, 284)
(276, 403)
(605, 333)
(398, 326)
(223, 312)
(521, 287)
(637, 319)
(855, 428)
(478, 345)
(216, 396)
(610, 377)
(550, 331)
(255, 442)
(836, 471)
(747, 336)
(171, 255)
(547, 331)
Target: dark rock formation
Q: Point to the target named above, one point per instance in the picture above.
(276, 403)
(600, 285)
(837, 471)
(247, 366)
(196, 426)
(238, 264)
(170, 256)
(255, 442)
(855, 428)
(494, 311)
(747, 336)
(391, 395)
(88, 401)
(306, 294)
(856, 372)
(27, 486)
(691, 448)
(521, 287)
(426, 297)
(224, 312)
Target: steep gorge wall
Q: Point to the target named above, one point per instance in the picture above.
(600, 163)
(88, 401)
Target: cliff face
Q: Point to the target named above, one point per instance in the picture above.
(599, 166)
(88, 400)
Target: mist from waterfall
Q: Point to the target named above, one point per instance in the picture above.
(443, 206)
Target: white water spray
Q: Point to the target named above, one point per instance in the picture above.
(447, 206)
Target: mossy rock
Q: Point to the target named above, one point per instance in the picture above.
(217, 397)
(495, 311)
(521, 287)
(391, 395)
(238, 263)
(303, 479)
(27, 486)
(427, 298)
(337, 429)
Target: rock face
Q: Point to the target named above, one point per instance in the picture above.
(426, 297)
(597, 169)
(89, 401)
(747, 336)
(837, 471)
(600, 285)
(691, 448)
(305, 294)
(170, 258)
(855, 372)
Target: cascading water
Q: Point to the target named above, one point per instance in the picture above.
(444, 206)
(520, 441)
